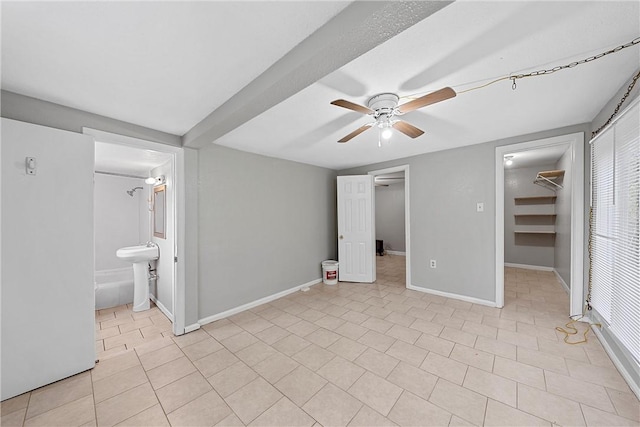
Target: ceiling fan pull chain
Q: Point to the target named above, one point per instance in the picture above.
(513, 86)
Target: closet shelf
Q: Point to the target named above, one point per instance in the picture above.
(548, 179)
(535, 200)
(534, 216)
(535, 232)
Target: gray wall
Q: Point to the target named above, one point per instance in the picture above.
(444, 223)
(534, 250)
(32, 110)
(562, 254)
(390, 216)
(265, 226)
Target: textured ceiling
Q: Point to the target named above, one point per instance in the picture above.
(163, 65)
(218, 71)
(464, 45)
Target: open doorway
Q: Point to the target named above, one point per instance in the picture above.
(124, 160)
(540, 212)
(391, 203)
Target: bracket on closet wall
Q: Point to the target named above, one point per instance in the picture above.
(548, 179)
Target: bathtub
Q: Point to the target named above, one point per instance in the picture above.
(113, 287)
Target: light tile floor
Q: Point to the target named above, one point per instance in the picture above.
(349, 354)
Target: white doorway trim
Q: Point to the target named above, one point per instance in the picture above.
(179, 304)
(407, 215)
(576, 143)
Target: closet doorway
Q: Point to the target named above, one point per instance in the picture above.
(540, 211)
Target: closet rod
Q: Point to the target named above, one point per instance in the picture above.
(545, 182)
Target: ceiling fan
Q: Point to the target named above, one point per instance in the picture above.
(384, 107)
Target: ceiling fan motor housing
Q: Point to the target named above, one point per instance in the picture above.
(383, 104)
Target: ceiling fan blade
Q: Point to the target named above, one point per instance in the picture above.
(355, 132)
(351, 106)
(410, 130)
(423, 101)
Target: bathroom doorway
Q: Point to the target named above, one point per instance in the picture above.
(126, 217)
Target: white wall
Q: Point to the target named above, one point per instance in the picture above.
(390, 216)
(534, 250)
(562, 254)
(119, 219)
(47, 256)
(163, 289)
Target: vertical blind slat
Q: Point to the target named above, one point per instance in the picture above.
(615, 186)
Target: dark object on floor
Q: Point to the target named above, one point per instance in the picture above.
(379, 247)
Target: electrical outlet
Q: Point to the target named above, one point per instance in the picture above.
(432, 264)
(480, 207)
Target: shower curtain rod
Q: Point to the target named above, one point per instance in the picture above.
(121, 174)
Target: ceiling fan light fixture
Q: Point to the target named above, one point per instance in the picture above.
(384, 107)
(385, 126)
(386, 133)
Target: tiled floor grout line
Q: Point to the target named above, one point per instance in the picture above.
(93, 397)
(531, 335)
(152, 388)
(250, 367)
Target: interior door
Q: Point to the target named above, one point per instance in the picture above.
(356, 231)
(48, 300)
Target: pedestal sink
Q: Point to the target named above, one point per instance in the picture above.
(140, 256)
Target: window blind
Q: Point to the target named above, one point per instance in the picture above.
(615, 250)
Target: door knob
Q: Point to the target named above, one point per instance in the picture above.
(341, 237)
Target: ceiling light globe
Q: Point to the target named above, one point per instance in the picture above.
(386, 133)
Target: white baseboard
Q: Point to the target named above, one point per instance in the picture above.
(453, 296)
(161, 307)
(399, 253)
(635, 387)
(562, 282)
(191, 328)
(256, 303)
(528, 267)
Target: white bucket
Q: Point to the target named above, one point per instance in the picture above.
(330, 272)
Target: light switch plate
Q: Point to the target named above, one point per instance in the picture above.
(480, 207)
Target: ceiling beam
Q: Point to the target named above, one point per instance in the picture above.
(358, 28)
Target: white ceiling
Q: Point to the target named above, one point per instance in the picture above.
(163, 65)
(537, 156)
(122, 159)
(167, 65)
